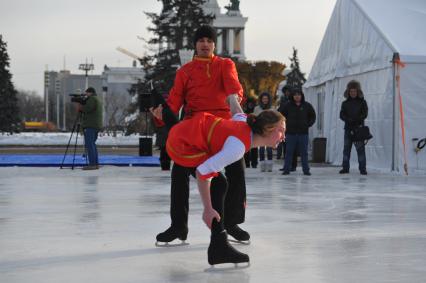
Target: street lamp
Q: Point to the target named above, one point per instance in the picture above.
(86, 67)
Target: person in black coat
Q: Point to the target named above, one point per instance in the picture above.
(251, 156)
(281, 148)
(300, 117)
(353, 112)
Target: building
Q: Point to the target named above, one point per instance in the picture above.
(58, 87)
(117, 82)
(230, 28)
(111, 86)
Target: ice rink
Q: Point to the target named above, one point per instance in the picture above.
(100, 226)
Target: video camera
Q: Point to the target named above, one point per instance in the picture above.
(79, 98)
(149, 96)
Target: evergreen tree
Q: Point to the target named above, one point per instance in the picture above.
(295, 78)
(172, 30)
(9, 112)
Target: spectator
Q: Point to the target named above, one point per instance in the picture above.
(300, 117)
(353, 112)
(264, 103)
(281, 149)
(250, 157)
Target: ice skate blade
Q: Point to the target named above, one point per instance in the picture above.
(169, 245)
(239, 242)
(220, 267)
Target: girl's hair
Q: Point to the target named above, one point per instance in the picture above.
(264, 122)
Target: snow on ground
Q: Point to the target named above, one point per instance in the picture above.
(55, 139)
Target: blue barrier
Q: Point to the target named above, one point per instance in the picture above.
(55, 160)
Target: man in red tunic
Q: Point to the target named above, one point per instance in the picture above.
(209, 84)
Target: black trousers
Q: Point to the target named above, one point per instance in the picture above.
(251, 156)
(295, 154)
(234, 196)
(164, 158)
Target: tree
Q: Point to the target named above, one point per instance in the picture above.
(9, 112)
(31, 106)
(115, 112)
(172, 30)
(174, 27)
(295, 78)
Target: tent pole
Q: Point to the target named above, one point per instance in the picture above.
(394, 119)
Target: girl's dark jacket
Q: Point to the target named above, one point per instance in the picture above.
(298, 118)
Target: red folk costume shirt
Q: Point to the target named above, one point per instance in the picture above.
(204, 84)
(209, 142)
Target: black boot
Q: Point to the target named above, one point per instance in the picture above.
(165, 165)
(237, 233)
(220, 251)
(172, 234)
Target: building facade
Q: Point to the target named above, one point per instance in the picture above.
(111, 86)
(230, 28)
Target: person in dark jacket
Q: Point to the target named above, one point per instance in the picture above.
(284, 99)
(264, 103)
(353, 112)
(300, 117)
(281, 149)
(91, 123)
(251, 156)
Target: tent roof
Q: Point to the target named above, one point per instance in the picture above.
(401, 22)
(363, 35)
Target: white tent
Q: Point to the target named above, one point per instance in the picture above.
(363, 41)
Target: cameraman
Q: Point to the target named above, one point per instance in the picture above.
(91, 109)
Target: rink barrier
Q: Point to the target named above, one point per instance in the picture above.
(55, 160)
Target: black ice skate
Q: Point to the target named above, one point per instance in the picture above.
(163, 239)
(240, 236)
(220, 251)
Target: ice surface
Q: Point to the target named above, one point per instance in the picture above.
(100, 226)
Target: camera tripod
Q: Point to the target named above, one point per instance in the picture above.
(75, 129)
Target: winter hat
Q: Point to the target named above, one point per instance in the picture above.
(353, 85)
(91, 90)
(205, 31)
(285, 88)
(295, 90)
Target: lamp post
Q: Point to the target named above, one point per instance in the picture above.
(86, 67)
(46, 94)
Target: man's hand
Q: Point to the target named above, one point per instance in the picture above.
(204, 188)
(208, 215)
(79, 107)
(157, 112)
(234, 104)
